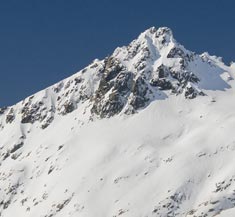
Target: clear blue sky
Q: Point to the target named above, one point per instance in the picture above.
(44, 41)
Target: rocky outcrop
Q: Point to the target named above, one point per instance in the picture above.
(10, 116)
(140, 91)
(114, 85)
(2, 110)
(68, 107)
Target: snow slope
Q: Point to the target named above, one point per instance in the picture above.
(163, 146)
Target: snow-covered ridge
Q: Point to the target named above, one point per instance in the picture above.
(151, 67)
(146, 132)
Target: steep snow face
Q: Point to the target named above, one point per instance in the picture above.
(149, 131)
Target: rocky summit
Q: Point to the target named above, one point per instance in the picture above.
(150, 68)
(148, 131)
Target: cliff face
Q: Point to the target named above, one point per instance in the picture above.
(148, 131)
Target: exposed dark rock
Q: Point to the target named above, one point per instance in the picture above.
(10, 116)
(15, 155)
(188, 77)
(68, 107)
(60, 206)
(162, 84)
(16, 147)
(60, 147)
(162, 71)
(139, 87)
(141, 64)
(183, 78)
(191, 93)
(118, 82)
(163, 35)
(123, 82)
(31, 112)
(50, 169)
(118, 87)
(112, 68)
(109, 107)
(132, 49)
(6, 155)
(175, 74)
(48, 121)
(113, 106)
(58, 87)
(23, 137)
(139, 91)
(138, 102)
(2, 110)
(78, 80)
(6, 204)
(162, 81)
(163, 31)
(13, 189)
(176, 53)
(27, 119)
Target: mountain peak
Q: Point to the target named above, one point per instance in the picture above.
(159, 36)
(161, 31)
(152, 67)
(164, 147)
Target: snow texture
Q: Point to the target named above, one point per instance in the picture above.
(148, 131)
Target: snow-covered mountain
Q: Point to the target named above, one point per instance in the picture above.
(148, 131)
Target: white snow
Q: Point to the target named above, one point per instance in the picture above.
(176, 157)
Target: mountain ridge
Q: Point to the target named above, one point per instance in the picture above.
(146, 132)
(151, 67)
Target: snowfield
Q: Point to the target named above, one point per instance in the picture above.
(174, 156)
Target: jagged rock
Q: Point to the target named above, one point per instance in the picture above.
(2, 110)
(113, 106)
(10, 116)
(6, 204)
(186, 77)
(31, 112)
(68, 107)
(176, 53)
(78, 80)
(112, 68)
(123, 83)
(163, 35)
(161, 31)
(191, 93)
(162, 84)
(47, 122)
(162, 71)
(107, 108)
(58, 87)
(6, 155)
(139, 87)
(113, 103)
(139, 91)
(16, 147)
